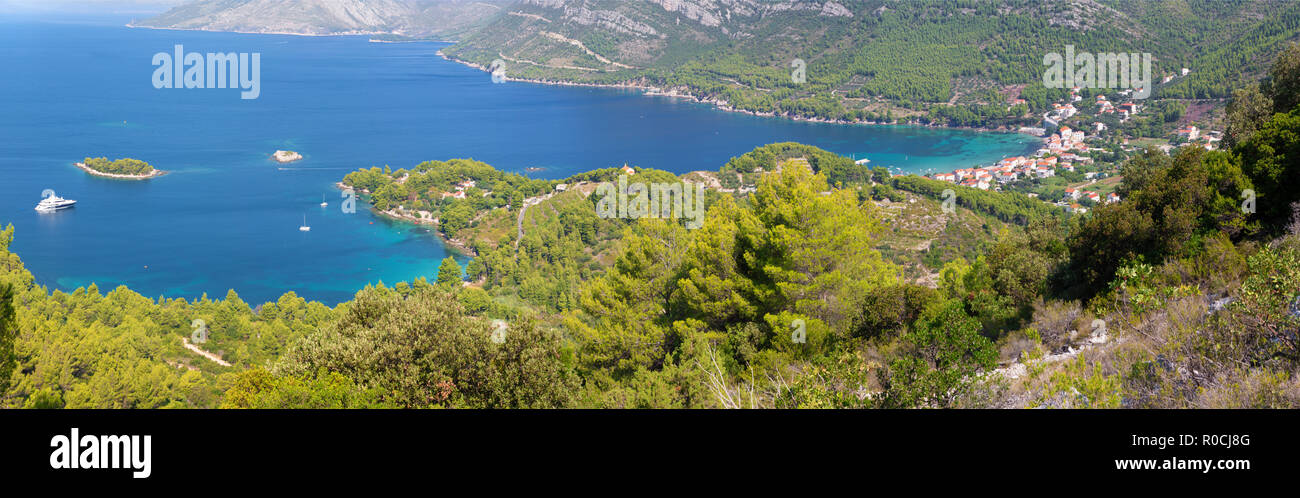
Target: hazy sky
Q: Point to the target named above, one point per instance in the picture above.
(89, 6)
(55, 3)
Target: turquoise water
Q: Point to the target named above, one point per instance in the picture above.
(227, 217)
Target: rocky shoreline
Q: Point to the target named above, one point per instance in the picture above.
(286, 156)
(392, 214)
(156, 173)
(291, 33)
(681, 93)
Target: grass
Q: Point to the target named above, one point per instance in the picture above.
(1103, 186)
(491, 227)
(919, 235)
(1143, 143)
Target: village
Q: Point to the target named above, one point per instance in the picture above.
(1070, 150)
(1061, 151)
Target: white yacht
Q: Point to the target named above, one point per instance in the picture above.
(304, 227)
(54, 203)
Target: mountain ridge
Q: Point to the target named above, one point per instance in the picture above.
(407, 18)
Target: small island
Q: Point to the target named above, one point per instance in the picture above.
(125, 168)
(286, 156)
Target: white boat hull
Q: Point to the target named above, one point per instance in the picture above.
(46, 207)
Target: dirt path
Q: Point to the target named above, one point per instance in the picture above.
(519, 226)
(580, 45)
(530, 16)
(556, 66)
(203, 353)
(1019, 369)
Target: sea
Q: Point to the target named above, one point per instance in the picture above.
(227, 216)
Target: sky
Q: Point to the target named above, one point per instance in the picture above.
(88, 6)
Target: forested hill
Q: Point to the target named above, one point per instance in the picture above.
(875, 59)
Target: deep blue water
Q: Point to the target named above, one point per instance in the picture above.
(227, 217)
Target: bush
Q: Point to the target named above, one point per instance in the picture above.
(1241, 388)
(943, 353)
(1056, 322)
(887, 310)
(423, 351)
(1013, 346)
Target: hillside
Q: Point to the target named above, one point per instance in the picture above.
(809, 281)
(950, 62)
(445, 19)
(874, 60)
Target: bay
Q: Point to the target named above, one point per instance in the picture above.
(227, 217)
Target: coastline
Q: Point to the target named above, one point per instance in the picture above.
(649, 90)
(461, 247)
(654, 91)
(156, 173)
(290, 33)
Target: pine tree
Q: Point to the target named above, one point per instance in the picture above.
(449, 273)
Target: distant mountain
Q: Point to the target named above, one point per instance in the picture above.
(616, 34)
(444, 19)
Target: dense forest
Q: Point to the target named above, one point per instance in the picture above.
(451, 192)
(1185, 294)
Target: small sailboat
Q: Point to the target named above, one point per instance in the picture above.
(323, 203)
(304, 227)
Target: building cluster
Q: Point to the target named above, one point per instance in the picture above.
(1061, 150)
(460, 190)
(1064, 140)
(1170, 77)
(1188, 132)
(1062, 111)
(1059, 113)
(1063, 147)
(1125, 110)
(1058, 152)
(1073, 195)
